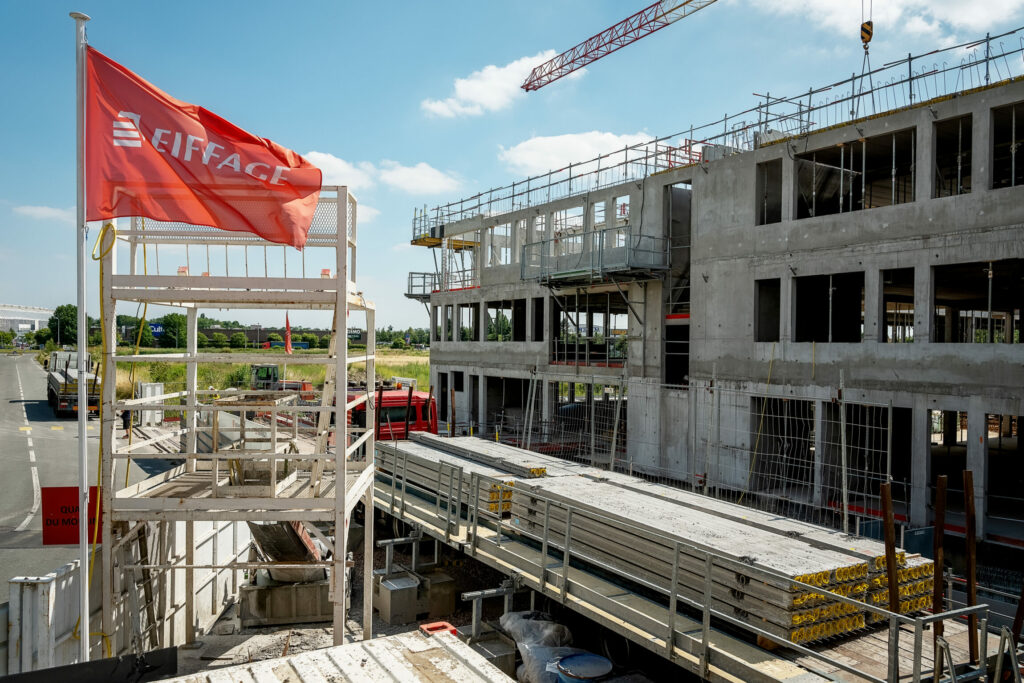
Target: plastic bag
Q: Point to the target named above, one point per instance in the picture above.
(540, 662)
(535, 628)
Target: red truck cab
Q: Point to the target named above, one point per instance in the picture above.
(422, 413)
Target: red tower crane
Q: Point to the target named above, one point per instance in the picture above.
(629, 30)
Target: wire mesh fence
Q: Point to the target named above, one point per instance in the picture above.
(821, 460)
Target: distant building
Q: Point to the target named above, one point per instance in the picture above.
(23, 319)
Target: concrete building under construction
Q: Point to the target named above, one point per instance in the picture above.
(786, 307)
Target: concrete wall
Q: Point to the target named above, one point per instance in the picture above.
(728, 252)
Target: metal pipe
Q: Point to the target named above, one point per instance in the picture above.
(959, 155)
(83, 412)
(863, 172)
(892, 201)
(842, 174)
(989, 302)
(1013, 146)
(842, 436)
(814, 179)
(938, 541)
(972, 561)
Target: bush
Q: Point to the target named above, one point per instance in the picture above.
(274, 337)
(399, 344)
(219, 340)
(310, 339)
(238, 340)
(239, 376)
(202, 341)
(325, 341)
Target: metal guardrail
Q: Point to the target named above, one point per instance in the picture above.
(893, 86)
(450, 501)
(421, 285)
(591, 255)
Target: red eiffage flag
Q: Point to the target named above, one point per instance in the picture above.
(287, 334)
(149, 154)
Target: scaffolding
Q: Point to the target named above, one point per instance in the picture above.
(256, 456)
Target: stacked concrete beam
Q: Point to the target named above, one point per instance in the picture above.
(633, 528)
(435, 473)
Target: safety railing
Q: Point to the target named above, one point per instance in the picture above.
(471, 509)
(893, 86)
(593, 254)
(421, 285)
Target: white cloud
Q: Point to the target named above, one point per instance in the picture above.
(939, 18)
(48, 213)
(337, 171)
(367, 213)
(419, 179)
(490, 89)
(545, 153)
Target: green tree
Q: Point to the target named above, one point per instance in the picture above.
(238, 340)
(325, 341)
(274, 337)
(175, 330)
(147, 340)
(63, 323)
(219, 340)
(398, 344)
(202, 341)
(6, 338)
(499, 328)
(311, 339)
(42, 336)
(96, 338)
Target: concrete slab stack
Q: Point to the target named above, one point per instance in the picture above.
(649, 535)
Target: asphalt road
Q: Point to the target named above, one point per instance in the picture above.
(36, 449)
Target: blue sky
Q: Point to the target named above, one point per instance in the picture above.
(413, 103)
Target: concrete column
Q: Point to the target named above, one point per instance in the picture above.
(788, 188)
(977, 459)
(529, 318)
(787, 298)
(924, 176)
(819, 452)
(482, 398)
(548, 329)
(981, 152)
(873, 306)
(920, 462)
(923, 308)
(482, 317)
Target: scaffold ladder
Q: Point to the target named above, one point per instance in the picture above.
(323, 423)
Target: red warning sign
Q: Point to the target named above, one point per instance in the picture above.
(60, 515)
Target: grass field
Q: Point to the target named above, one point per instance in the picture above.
(390, 363)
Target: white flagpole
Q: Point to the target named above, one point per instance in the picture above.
(83, 335)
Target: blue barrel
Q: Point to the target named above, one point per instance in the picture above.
(582, 667)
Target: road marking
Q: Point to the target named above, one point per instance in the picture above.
(31, 456)
(30, 444)
(35, 501)
(56, 428)
(25, 429)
